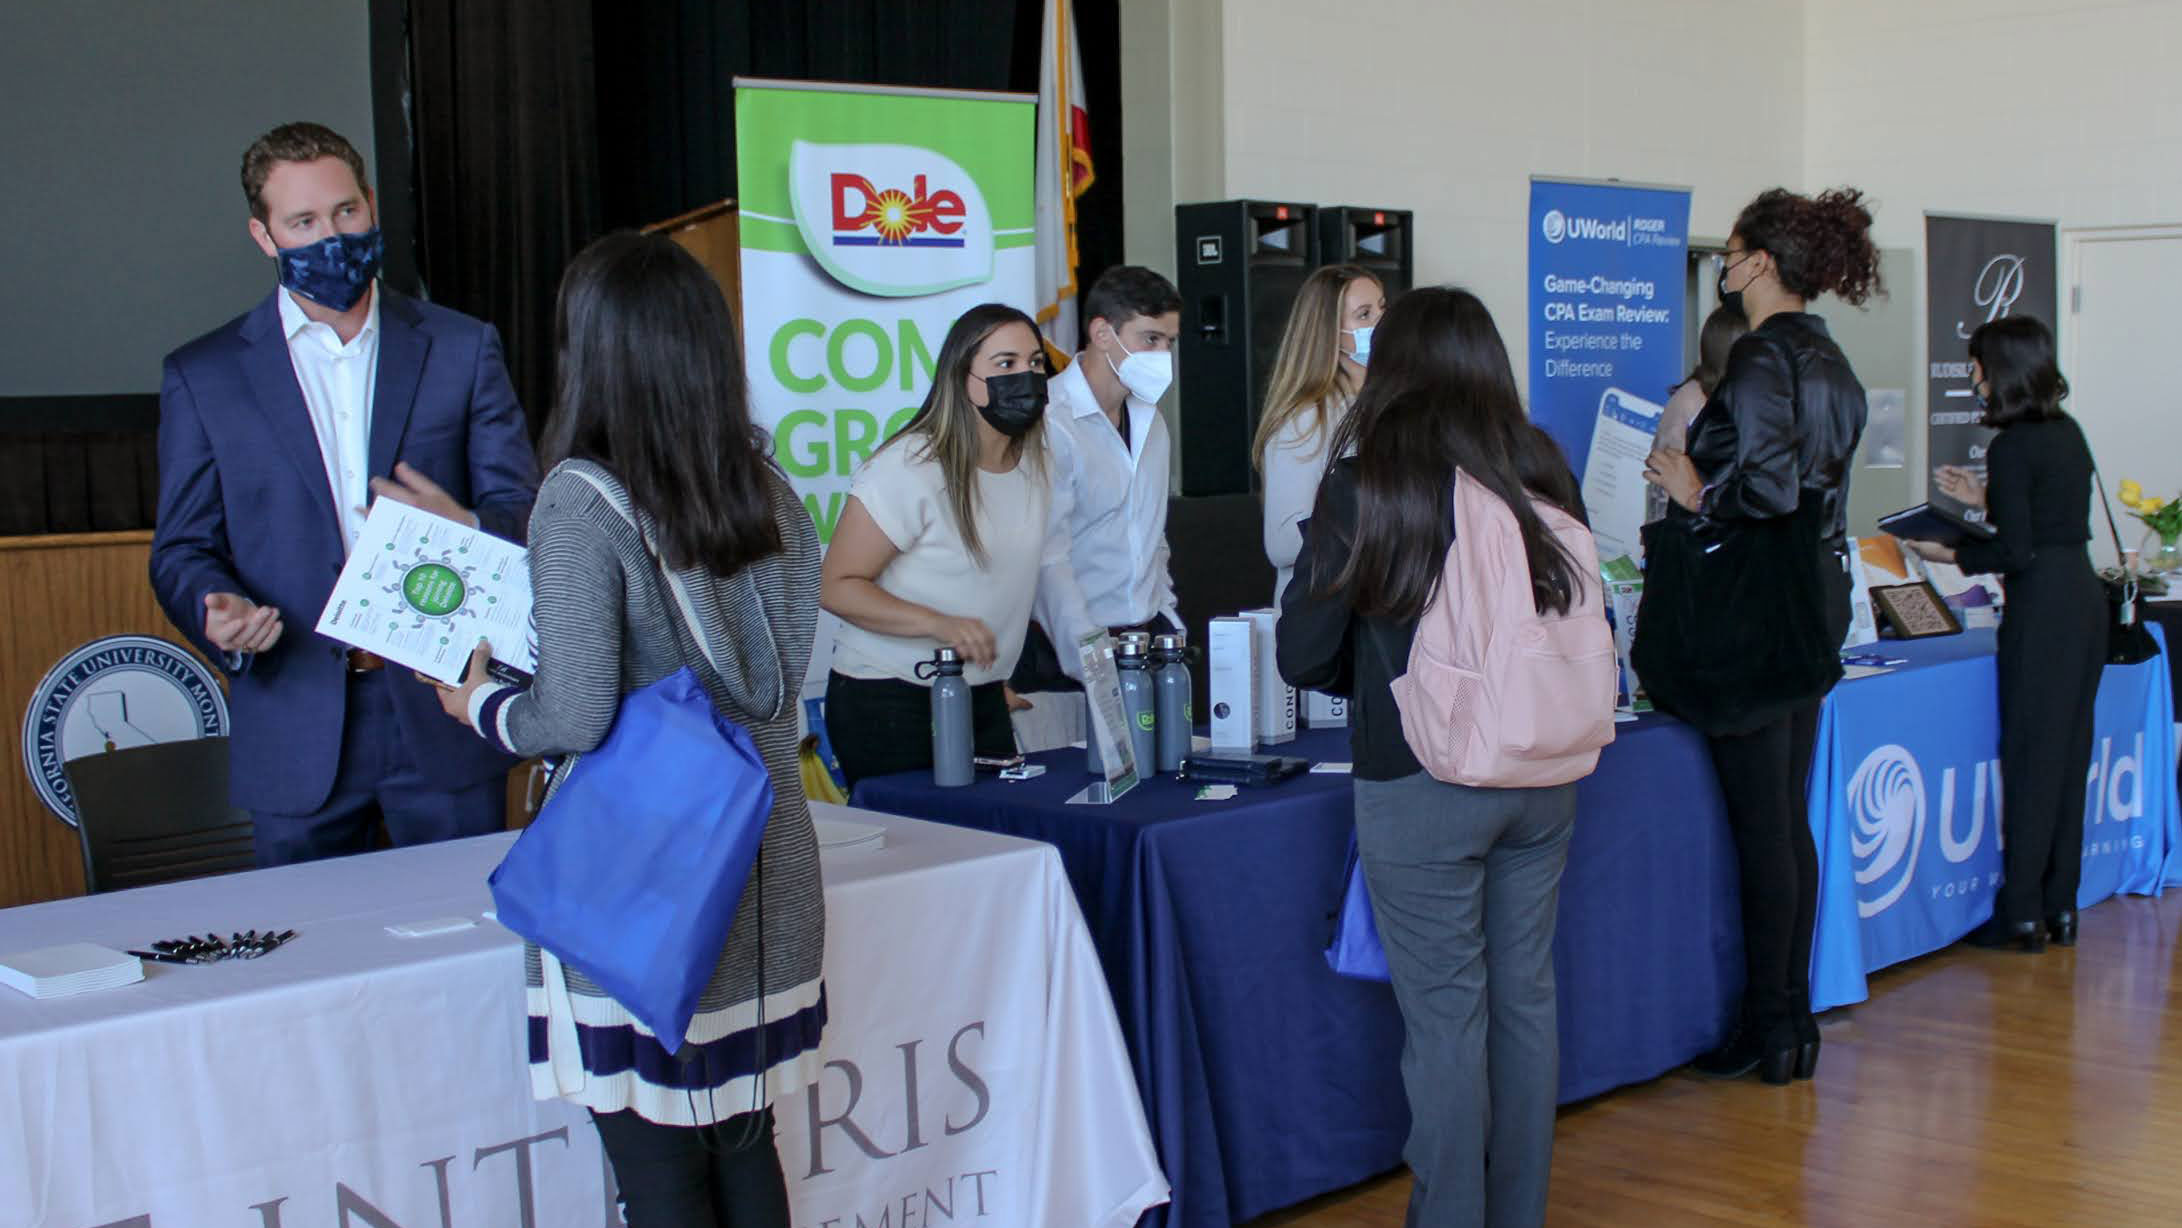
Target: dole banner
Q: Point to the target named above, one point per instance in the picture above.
(1976, 270)
(870, 218)
(1607, 267)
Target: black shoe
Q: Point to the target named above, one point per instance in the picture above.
(1771, 1053)
(2026, 936)
(1806, 1037)
(2061, 928)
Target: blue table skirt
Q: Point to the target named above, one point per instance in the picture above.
(1905, 805)
(1268, 1079)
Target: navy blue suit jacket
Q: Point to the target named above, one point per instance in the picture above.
(245, 507)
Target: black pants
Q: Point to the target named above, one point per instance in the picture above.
(1039, 668)
(880, 726)
(2052, 652)
(693, 1177)
(1766, 775)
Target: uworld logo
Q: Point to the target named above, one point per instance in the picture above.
(1558, 226)
(1890, 818)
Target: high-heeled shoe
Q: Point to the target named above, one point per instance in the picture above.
(2061, 928)
(1807, 1039)
(1996, 935)
(1770, 1053)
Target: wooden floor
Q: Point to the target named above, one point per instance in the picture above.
(1974, 1088)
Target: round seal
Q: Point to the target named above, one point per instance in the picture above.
(434, 589)
(112, 694)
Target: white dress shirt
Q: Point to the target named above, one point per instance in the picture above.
(1295, 462)
(338, 382)
(1110, 506)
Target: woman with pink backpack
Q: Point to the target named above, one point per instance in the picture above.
(1448, 586)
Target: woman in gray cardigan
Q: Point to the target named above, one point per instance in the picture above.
(659, 468)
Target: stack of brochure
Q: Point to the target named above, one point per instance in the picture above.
(78, 967)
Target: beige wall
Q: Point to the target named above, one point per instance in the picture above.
(1447, 107)
(2061, 109)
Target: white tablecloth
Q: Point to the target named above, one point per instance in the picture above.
(975, 1073)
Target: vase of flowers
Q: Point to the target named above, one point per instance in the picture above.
(2162, 549)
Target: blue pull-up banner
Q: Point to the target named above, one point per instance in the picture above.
(1608, 269)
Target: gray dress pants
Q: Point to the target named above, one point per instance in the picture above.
(1464, 886)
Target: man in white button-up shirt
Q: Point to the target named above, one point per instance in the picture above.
(275, 431)
(1109, 451)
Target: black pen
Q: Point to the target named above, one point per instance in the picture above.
(160, 957)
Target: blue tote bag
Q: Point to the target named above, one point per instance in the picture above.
(1355, 949)
(632, 870)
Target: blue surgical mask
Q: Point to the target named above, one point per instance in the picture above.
(1363, 344)
(335, 271)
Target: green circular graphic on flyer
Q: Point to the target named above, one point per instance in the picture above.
(433, 589)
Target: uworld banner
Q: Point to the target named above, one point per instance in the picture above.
(870, 219)
(1976, 270)
(1607, 268)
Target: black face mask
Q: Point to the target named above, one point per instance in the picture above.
(1730, 298)
(1014, 402)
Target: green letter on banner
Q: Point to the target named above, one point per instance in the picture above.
(788, 378)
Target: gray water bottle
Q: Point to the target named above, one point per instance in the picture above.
(952, 747)
(1171, 687)
(1139, 707)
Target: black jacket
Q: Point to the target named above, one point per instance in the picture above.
(1324, 646)
(1757, 449)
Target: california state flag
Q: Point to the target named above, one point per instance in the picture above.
(1064, 171)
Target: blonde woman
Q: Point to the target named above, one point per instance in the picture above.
(940, 543)
(1316, 375)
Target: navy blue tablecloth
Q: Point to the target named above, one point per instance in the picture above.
(1267, 1079)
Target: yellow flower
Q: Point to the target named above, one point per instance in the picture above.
(2151, 506)
(2131, 493)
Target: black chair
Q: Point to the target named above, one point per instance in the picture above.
(158, 813)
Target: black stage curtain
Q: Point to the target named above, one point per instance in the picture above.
(537, 125)
(666, 98)
(78, 464)
(506, 171)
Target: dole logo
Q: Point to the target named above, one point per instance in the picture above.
(892, 220)
(892, 215)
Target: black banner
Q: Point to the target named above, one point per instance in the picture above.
(1976, 270)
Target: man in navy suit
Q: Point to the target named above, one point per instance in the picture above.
(275, 431)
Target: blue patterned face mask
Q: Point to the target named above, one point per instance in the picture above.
(335, 271)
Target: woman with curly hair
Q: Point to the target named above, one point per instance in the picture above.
(1775, 440)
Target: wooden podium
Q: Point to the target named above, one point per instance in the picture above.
(57, 593)
(713, 234)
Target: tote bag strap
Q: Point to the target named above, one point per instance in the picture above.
(683, 612)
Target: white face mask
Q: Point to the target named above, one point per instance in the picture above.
(1145, 373)
(1363, 344)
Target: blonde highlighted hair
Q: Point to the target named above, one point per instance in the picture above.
(1307, 373)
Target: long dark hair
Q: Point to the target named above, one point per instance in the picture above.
(2026, 379)
(1722, 329)
(652, 388)
(1818, 243)
(1440, 396)
(946, 424)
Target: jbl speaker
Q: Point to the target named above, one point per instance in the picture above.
(1376, 239)
(1241, 263)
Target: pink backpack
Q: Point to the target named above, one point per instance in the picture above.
(1498, 695)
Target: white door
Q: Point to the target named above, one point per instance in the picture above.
(2119, 352)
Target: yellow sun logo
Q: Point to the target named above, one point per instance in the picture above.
(893, 222)
(893, 213)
